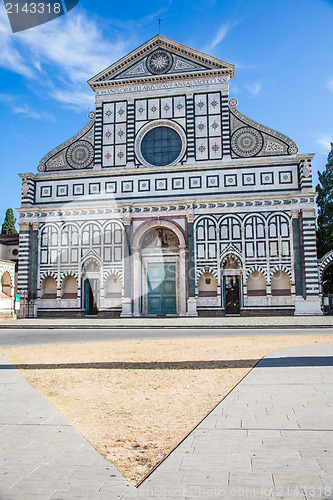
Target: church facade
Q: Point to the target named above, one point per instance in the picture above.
(169, 202)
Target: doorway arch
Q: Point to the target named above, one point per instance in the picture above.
(159, 282)
(325, 265)
(91, 278)
(231, 269)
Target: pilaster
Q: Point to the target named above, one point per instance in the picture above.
(127, 276)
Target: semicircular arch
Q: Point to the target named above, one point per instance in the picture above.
(142, 230)
(324, 263)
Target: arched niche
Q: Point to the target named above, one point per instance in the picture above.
(256, 284)
(112, 287)
(6, 284)
(69, 288)
(207, 285)
(49, 288)
(280, 284)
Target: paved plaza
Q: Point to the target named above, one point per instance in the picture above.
(271, 437)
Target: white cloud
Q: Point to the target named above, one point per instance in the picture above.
(330, 85)
(10, 57)
(221, 34)
(23, 108)
(76, 98)
(58, 57)
(325, 143)
(75, 45)
(254, 88)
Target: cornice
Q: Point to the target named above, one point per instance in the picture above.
(193, 205)
(160, 79)
(190, 167)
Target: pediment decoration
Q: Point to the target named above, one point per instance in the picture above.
(75, 154)
(230, 248)
(231, 261)
(159, 59)
(250, 139)
(163, 59)
(91, 265)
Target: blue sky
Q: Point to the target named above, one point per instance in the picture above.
(282, 52)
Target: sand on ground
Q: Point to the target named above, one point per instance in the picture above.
(135, 400)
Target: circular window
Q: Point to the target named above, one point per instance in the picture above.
(160, 143)
(161, 146)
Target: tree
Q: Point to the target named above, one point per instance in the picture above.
(325, 207)
(8, 227)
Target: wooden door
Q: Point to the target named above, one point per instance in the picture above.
(161, 288)
(91, 296)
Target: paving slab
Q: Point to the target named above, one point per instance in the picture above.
(270, 438)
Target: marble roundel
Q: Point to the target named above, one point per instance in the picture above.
(246, 141)
(80, 154)
(159, 61)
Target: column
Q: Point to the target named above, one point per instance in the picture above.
(127, 299)
(182, 282)
(191, 301)
(309, 302)
(23, 266)
(136, 281)
(33, 268)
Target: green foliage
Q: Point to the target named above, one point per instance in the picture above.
(8, 227)
(325, 207)
(327, 281)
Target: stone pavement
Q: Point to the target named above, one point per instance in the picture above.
(271, 437)
(177, 322)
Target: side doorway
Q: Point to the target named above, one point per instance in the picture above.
(232, 294)
(232, 283)
(91, 296)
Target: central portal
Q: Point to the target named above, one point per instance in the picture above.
(162, 288)
(159, 281)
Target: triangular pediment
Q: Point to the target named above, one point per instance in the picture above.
(158, 59)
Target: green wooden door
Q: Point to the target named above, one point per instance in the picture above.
(162, 288)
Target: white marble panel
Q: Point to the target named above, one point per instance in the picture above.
(200, 104)
(108, 112)
(166, 107)
(120, 133)
(108, 134)
(214, 125)
(141, 109)
(214, 103)
(207, 301)
(215, 147)
(120, 155)
(108, 158)
(121, 111)
(179, 106)
(201, 129)
(201, 147)
(153, 109)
